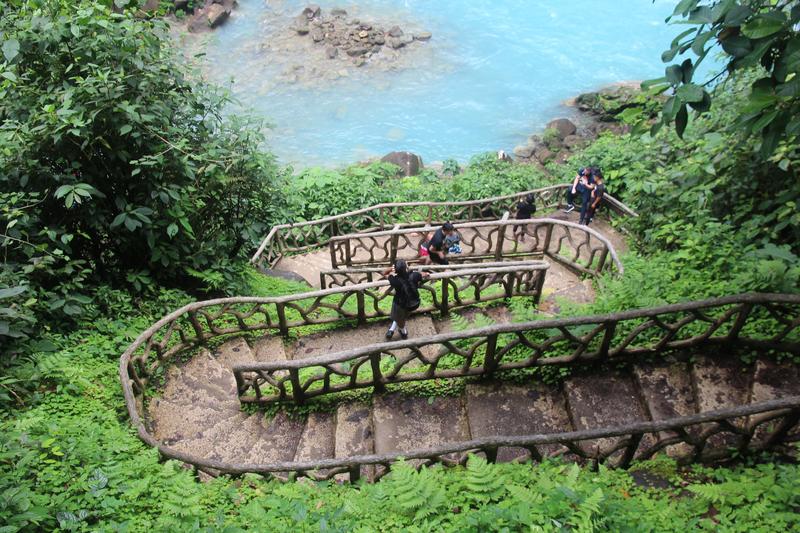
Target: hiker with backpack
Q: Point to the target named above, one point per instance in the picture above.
(597, 196)
(582, 187)
(406, 295)
(525, 210)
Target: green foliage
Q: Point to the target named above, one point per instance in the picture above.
(755, 33)
(126, 172)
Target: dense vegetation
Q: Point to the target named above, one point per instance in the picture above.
(123, 186)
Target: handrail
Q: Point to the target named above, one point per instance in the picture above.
(580, 248)
(752, 322)
(301, 236)
(496, 348)
(340, 277)
(195, 324)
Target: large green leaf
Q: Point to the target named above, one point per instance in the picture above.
(764, 25)
(690, 93)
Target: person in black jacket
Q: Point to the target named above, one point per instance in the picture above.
(436, 247)
(597, 196)
(525, 210)
(406, 295)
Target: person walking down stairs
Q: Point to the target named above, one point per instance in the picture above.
(406, 295)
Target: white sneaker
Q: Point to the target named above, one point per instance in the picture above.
(570, 208)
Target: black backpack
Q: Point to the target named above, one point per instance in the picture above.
(408, 294)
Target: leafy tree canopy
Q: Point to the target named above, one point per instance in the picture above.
(755, 34)
(116, 163)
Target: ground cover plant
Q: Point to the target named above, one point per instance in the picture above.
(131, 182)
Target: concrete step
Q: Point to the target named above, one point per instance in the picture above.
(185, 389)
(354, 434)
(350, 338)
(174, 422)
(506, 409)
(204, 368)
(603, 400)
(404, 423)
(268, 349)
(318, 440)
(773, 380)
(276, 439)
(721, 381)
(218, 442)
(233, 352)
(668, 393)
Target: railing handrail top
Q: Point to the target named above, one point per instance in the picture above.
(194, 306)
(483, 442)
(346, 355)
(453, 266)
(477, 224)
(417, 204)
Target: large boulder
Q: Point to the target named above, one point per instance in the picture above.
(216, 14)
(524, 151)
(573, 141)
(563, 126)
(409, 163)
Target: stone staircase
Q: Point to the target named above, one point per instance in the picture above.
(197, 411)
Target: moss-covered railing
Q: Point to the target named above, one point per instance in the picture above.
(196, 324)
(761, 322)
(742, 321)
(299, 237)
(580, 248)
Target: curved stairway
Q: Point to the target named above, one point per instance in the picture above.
(198, 412)
(691, 398)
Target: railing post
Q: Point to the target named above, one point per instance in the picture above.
(348, 259)
(332, 248)
(375, 363)
(444, 305)
(297, 390)
(741, 320)
(512, 279)
(537, 295)
(334, 231)
(283, 326)
(362, 312)
(491, 455)
(322, 283)
(501, 237)
(239, 383)
(602, 261)
(355, 473)
(489, 361)
(548, 236)
(608, 336)
(394, 243)
(380, 219)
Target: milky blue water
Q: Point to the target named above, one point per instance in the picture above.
(494, 73)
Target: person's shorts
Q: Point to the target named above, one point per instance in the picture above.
(439, 260)
(398, 313)
(423, 252)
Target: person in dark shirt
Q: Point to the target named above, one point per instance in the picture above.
(525, 210)
(579, 188)
(437, 247)
(406, 295)
(597, 196)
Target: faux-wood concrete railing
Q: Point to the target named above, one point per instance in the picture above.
(743, 320)
(302, 236)
(580, 248)
(760, 321)
(195, 324)
(342, 277)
